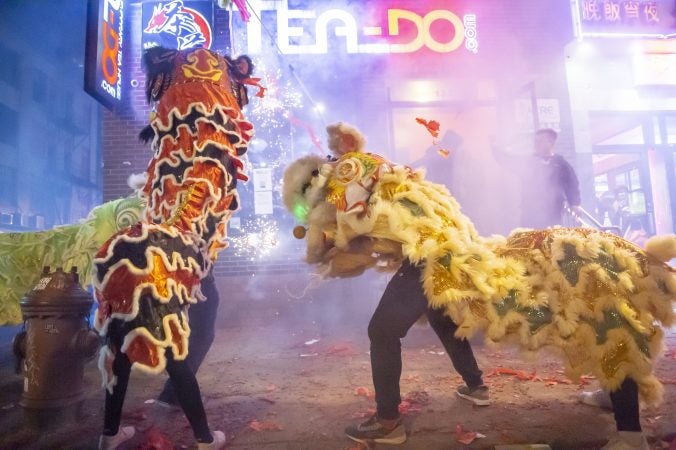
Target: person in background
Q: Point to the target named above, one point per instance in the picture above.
(621, 212)
(548, 182)
(439, 168)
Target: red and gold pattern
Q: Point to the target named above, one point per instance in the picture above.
(147, 274)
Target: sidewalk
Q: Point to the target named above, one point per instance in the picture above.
(290, 369)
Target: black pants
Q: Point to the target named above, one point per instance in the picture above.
(401, 305)
(187, 392)
(625, 406)
(202, 320)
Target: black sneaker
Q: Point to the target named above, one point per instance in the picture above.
(477, 395)
(373, 431)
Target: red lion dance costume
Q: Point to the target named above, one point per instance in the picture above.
(147, 274)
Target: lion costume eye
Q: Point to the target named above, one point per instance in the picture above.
(315, 173)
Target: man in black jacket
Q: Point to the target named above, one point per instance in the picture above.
(548, 181)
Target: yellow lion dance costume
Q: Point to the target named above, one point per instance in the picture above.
(597, 298)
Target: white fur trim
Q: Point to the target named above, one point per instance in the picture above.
(136, 181)
(108, 379)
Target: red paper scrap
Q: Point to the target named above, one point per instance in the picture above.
(155, 440)
(364, 392)
(264, 426)
(432, 126)
(465, 436)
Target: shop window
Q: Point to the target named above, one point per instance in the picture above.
(634, 179)
(600, 184)
(622, 194)
(621, 179)
(637, 202)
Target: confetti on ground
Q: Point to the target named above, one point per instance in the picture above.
(364, 392)
(256, 425)
(466, 436)
(153, 439)
(363, 414)
(342, 350)
(651, 422)
(518, 374)
(668, 442)
(413, 402)
(136, 415)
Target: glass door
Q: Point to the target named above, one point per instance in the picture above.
(623, 194)
(622, 175)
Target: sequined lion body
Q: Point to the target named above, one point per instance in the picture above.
(596, 298)
(147, 274)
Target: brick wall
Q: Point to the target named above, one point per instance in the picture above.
(123, 154)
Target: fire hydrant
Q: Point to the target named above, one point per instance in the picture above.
(55, 345)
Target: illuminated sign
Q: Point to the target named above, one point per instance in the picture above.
(103, 59)
(177, 24)
(294, 25)
(624, 18)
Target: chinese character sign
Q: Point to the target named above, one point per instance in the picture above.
(647, 18)
(177, 24)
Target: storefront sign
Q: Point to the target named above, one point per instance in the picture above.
(300, 25)
(103, 52)
(178, 24)
(548, 114)
(619, 18)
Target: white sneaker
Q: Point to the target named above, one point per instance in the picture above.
(217, 444)
(112, 442)
(627, 440)
(598, 398)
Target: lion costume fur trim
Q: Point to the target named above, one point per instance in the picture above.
(595, 298)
